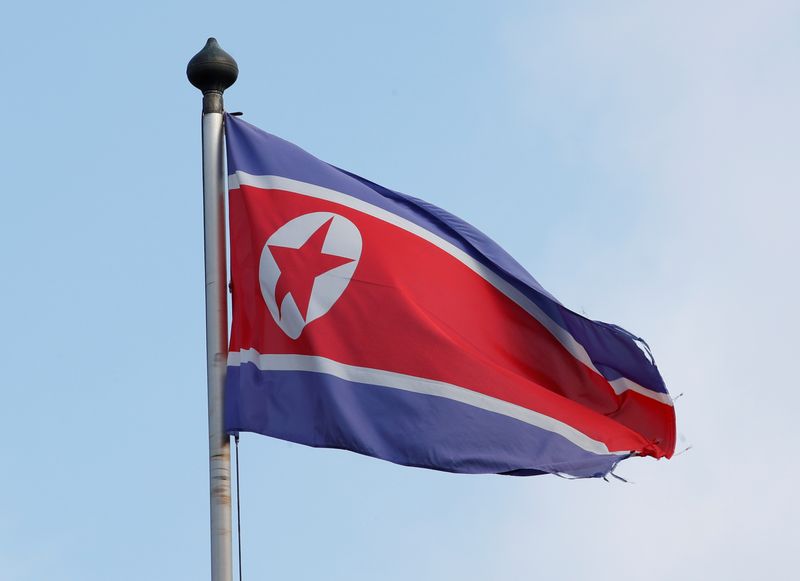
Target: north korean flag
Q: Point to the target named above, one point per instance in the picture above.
(372, 321)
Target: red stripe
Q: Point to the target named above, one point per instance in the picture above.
(412, 308)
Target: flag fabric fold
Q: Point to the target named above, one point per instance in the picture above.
(372, 321)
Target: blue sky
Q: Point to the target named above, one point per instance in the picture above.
(639, 158)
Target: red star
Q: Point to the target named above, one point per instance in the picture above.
(300, 266)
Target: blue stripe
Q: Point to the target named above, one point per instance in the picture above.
(613, 350)
(403, 427)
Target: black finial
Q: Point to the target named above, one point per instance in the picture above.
(212, 69)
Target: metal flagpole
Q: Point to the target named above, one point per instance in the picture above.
(212, 70)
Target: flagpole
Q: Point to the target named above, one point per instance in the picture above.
(212, 70)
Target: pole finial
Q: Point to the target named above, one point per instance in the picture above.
(212, 69)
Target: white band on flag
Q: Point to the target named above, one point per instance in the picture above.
(391, 379)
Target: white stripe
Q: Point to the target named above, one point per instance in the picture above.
(624, 384)
(562, 335)
(390, 379)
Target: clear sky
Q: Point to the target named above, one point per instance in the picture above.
(640, 158)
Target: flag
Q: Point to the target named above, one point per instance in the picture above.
(369, 320)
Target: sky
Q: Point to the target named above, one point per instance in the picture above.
(638, 158)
